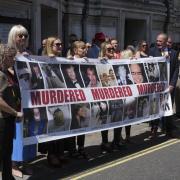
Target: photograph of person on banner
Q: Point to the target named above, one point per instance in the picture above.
(36, 78)
(59, 118)
(138, 73)
(123, 75)
(52, 76)
(72, 76)
(90, 76)
(152, 71)
(115, 110)
(154, 104)
(163, 71)
(35, 121)
(24, 75)
(143, 106)
(164, 102)
(130, 108)
(80, 115)
(107, 75)
(99, 113)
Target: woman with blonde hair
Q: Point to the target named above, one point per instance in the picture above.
(53, 47)
(18, 39)
(106, 51)
(55, 149)
(143, 49)
(79, 49)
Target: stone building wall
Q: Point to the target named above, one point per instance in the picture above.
(126, 20)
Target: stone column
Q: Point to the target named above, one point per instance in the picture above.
(36, 25)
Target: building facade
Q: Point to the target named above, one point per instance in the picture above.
(126, 20)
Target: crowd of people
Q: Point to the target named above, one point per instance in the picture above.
(101, 48)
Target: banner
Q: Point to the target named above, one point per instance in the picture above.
(63, 98)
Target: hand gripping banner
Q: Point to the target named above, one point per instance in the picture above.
(63, 98)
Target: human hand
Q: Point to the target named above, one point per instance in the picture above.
(19, 115)
(171, 88)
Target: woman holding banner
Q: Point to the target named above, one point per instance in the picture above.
(8, 111)
(78, 51)
(55, 149)
(18, 39)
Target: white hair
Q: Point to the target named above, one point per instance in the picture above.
(16, 30)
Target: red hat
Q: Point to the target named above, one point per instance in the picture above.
(100, 36)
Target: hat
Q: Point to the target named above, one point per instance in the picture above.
(100, 36)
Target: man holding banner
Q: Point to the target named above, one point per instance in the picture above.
(161, 49)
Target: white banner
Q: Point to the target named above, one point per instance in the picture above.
(63, 98)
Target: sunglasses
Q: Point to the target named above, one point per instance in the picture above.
(110, 49)
(144, 45)
(58, 44)
(23, 35)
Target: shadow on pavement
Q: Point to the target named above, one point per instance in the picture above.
(75, 166)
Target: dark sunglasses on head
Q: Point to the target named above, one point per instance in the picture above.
(22, 35)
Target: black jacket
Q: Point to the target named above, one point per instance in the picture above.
(174, 64)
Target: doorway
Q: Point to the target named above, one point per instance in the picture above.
(135, 30)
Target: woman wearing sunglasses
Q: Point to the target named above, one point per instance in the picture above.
(55, 149)
(18, 39)
(143, 50)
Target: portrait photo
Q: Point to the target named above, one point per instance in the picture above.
(116, 110)
(123, 75)
(53, 76)
(72, 76)
(138, 73)
(164, 102)
(24, 75)
(106, 75)
(90, 76)
(152, 70)
(80, 115)
(59, 118)
(130, 108)
(99, 113)
(35, 121)
(154, 104)
(163, 71)
(143, 106)
(37, 78)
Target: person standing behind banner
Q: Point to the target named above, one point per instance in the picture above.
(55, 149)
(93, 52)
(18, 39)
(78, 51)
(107, 52)
(161, 49)
(114, 43)
(143, 50)
(8, 111)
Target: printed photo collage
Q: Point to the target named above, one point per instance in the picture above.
(42, 120)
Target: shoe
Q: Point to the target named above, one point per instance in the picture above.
(27, 170)
(83, 153)
(53, 161)
(170, 135)
(17, 172)
(105, 147)
(118, 146)
(63, 160)
(74, 153)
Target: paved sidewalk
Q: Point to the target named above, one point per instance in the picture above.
(139, 135)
